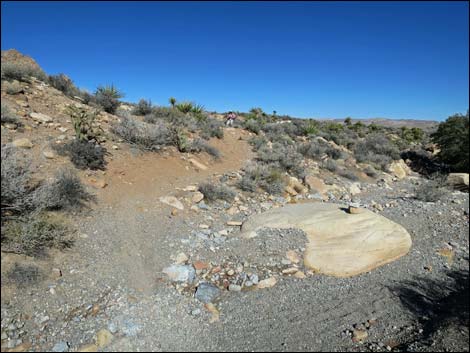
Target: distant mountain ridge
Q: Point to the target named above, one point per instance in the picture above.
(423, 124)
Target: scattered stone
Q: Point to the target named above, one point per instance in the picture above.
(181, 258)
(115, 147)
(43, 118)
(399, 169)
(213, 310)
(198, 164)
(172, 201)
(22, 143)
(103, 338)
(355, 188)
(300, 275)
(207, 293)
(293, 256)
(190, 188)
(458, 181)
(234, 288)
(290, 190)
(49, 154)
(63, 129)
(61, 347)
(200, 265)
(204, 226)
(290, 271)
(197, 197)
(234, 223)
(267, 283)
(359, 335)
(56, 272)
(180, 273)
(174, 212)
(354, 208)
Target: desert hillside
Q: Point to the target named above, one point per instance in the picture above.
(135, 227)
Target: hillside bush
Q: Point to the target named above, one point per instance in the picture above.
(200, 145)
(432, 190)
(213, 192)
(108, 98)
(84, 154)
(21, 71)
(13, 87)
(452, 137)
(8, 117)
(266, 177)
(144, 107)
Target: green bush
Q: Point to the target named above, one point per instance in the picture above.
(376, 149)
(21, 71)
(64, 84)
(84, 123)
(266, 177)
(348, 175)
(452, 137)
(211, 128)
(108, 98)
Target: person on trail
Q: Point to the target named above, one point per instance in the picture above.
(231, 116)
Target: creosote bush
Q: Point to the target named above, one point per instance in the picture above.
(144, 107)
(214, 192)
(21, 71)
(8, 117)
(266, 177)
(84, 154)
(432, 190)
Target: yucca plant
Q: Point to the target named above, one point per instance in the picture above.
(185, 107)
(172, 101)
(108, 97)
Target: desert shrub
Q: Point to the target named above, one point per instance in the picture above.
(258, 141)
(144, 107)
(179, 138)
(214, 192)
(199, 145)
(31, 235)
(108, 98)
(317, 148)
(452, 136)
(414, 134)
(281, 129)
(84, 154)
(330, 165)
(286, 157)
(348, 174)
(211, 128)
(253, 125)
(64, 84)
(21, 195)
(21, 71)
(185, 107)
(17, 186)
(310, 128)
(266, 177)
(84, 123)
(371, 172)
(432, 190)
(376, 149)
(8, 117)
(144, 135)
(65, 192)
(13, 87)
(171, 116)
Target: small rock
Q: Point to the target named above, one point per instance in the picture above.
(359, 335)
(181, 258)
(180, 273)
(49, 154)
(267, 283)
(22, 143)
(234, 223)
(63, 129)
(103, 338)
(172, 201)
(197, 197)
(61, 347)
(198, 164)
(56, 272)
(354, 208)
(200, 265)
(115, 147)
(207, 293)
(234, 288)
(293, 256)
(196, 312)
(290, 271)
(43, 118)
(299, 275)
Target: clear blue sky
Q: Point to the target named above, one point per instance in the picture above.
(307, 59)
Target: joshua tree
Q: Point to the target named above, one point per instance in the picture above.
(172, 101)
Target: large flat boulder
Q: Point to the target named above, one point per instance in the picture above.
(339, 243)
(458, 181)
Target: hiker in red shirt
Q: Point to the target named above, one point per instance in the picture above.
(231, 116)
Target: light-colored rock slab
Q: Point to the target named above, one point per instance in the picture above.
(458, 181)
(339, 244)
(198, 164)
(172, 201)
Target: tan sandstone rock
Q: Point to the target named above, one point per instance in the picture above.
(399, 169)
(339, 244)
(458, 181)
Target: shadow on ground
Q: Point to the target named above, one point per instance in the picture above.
(440, 306)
